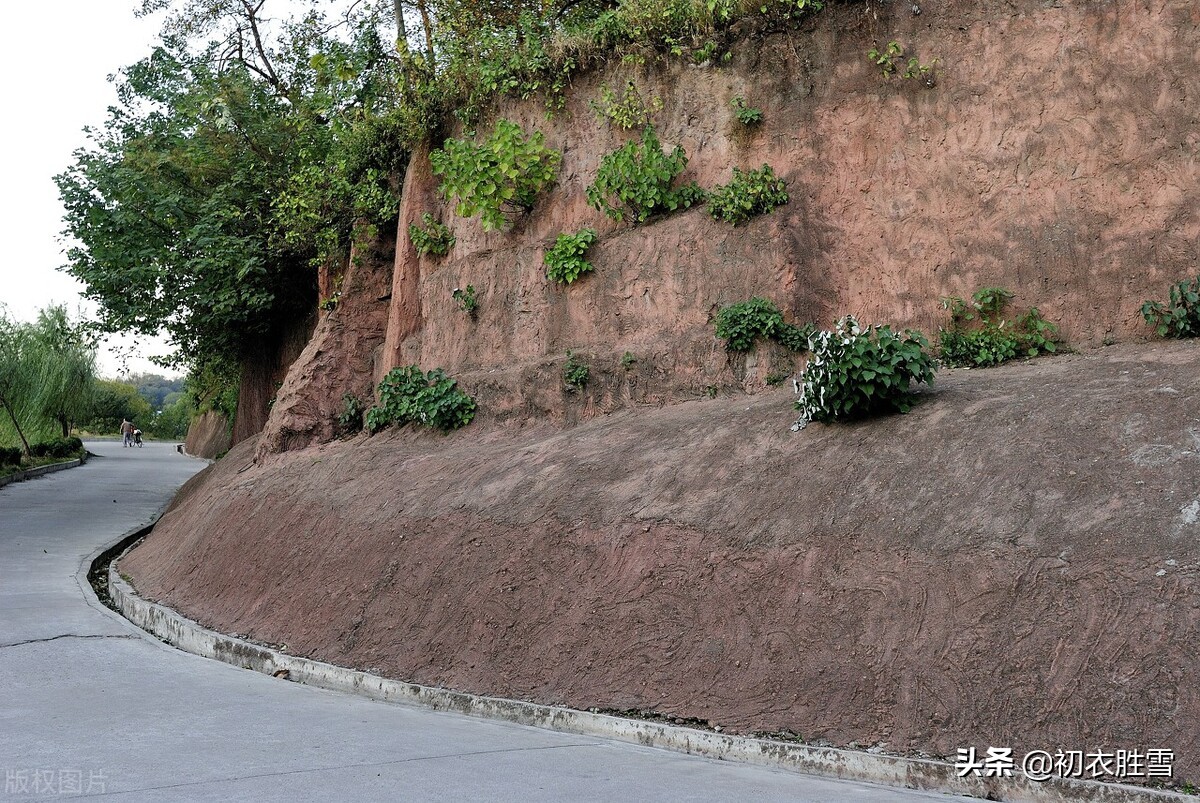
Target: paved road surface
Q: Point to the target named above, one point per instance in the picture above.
(90, 704)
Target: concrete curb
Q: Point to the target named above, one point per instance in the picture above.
(910, 773)
(30, 473)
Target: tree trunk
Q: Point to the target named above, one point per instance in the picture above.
(428, 24)
(401, 29)
(17, 426)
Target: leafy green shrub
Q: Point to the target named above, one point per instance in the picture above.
(856, 372)
(746, 115)
(636, 180)
(1180, 315)
(350, 420)
(626, 111)
(993, 339)
(10, 456)
(500, 176)
(628, 360)
(1038, 335)
(432, 399)
(794, 338)
(57, 447)
(565, 262)
(741, 325)
(575, 373)
(467, 301)
(432, 238)
(980, 348)
(749, 195)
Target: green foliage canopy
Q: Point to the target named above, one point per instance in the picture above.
(113, 401)
(857, 371)
(201, 205)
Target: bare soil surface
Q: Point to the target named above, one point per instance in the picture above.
(1015, 562)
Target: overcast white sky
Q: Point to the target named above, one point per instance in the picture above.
(57, 59)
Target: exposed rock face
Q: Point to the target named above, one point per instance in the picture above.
(208, 435)
(1014, 563)
(339, 358)
(1039, 163)
(263, 373)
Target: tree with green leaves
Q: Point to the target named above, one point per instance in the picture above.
(15, 380)
(229, 168)
(66, 357)
(46, 373)
(113, 401)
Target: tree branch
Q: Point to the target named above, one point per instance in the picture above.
(268, 71)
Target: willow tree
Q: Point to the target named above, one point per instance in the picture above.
(47, 371)
(66, 359)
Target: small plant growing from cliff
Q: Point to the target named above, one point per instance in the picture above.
(499, 177)
(432, 400)
(979, 336)
(350, 420)
(743, 324)
(565, 261)
(628, 360)
(858, 371)
(887, 58)
(707, 52)
(890, 61)
(627, 110)
(748, 195)
(330, 303)
(1179, 316)
(431, 238)
(745, 114)
(575, 373)
(636, 181)
(467, 301)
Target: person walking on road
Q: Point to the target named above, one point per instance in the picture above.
(126, 432)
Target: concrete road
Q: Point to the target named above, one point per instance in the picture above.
(90, 705)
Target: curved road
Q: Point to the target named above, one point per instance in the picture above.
(92, 706)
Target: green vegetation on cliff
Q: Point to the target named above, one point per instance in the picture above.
(246, 147)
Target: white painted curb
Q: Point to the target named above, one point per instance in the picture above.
(850, 765)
